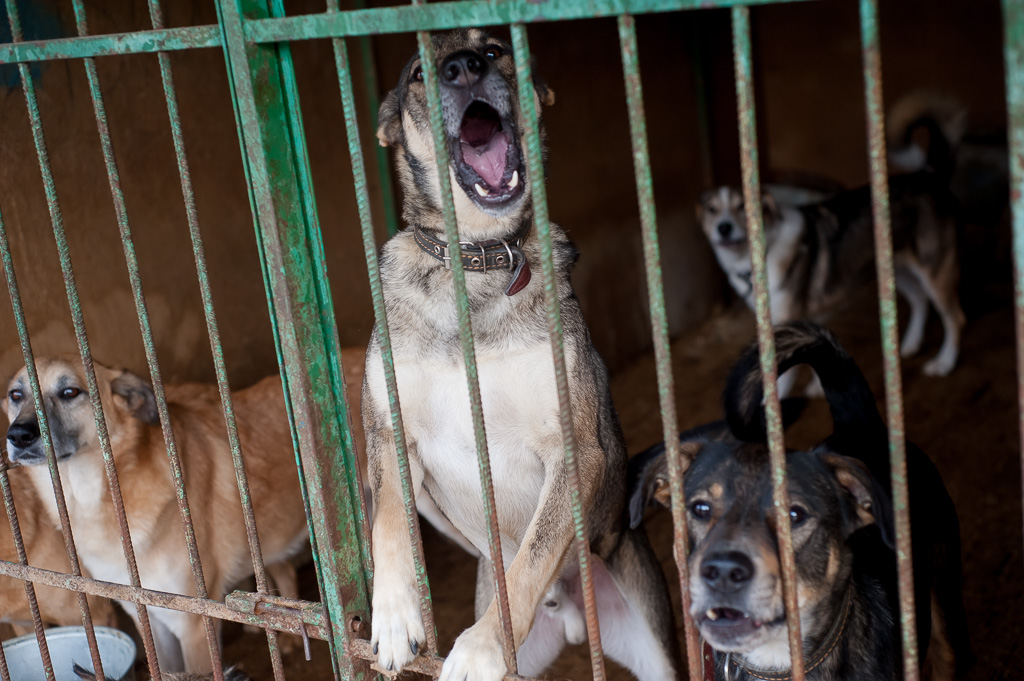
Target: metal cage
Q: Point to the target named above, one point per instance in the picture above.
(256, 37)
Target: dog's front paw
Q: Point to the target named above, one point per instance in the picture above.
(397, 626)
(476, 655)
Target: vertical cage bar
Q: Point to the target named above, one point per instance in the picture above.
(220, 367)
(742, 54)
(659, 324)
(56, 220)
(1013, 47)
(80, 334)
(429, 65)
(274, 157)
(890, 330)
(30, 591)
(372, 83)
(149, 343)
(535, 169)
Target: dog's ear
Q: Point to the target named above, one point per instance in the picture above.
(769, 208)
(649, 478)
(389, 120)
(546, 94)
(135, 396)
(871, 505)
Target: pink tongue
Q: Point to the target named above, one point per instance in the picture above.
(489, 160)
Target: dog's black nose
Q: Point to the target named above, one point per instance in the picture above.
(727, 571)
(23, 434)
(724, 228)
(462, 69)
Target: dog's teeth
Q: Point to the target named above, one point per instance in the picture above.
(711, 614)
(515, 180)
(480, 190)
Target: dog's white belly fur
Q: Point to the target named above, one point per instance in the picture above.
(521, 418)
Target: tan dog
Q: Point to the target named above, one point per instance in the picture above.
(131, 415)
(44, 546)
(492, 189)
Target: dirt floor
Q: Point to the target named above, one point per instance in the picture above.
(967, 422)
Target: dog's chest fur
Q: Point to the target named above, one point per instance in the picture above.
(517, 386)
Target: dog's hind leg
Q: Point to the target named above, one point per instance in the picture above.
(941, 291)
(634, 609)
(908, 284)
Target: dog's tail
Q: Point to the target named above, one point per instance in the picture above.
(944, 120)
(854, 412)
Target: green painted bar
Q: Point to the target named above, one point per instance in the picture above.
(659, 325)
(542, 223)
(890, 331)
(438, 16)
(1013, 46)
(429, 63)
(281, 194)
(744, 61)
(113, 44)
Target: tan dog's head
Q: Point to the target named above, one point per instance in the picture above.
(69, 410)
(735, 575)
(723, 218)
(483, 126)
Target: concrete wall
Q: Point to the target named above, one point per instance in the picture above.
(810, 119)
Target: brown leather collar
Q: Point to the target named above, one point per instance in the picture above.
(492, 255)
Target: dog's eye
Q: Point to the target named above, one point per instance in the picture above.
(701, 509)
(70, 393)
(15, 396)
(797, 515)
(417, 73)
(493, 52)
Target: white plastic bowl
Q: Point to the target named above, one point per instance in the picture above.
(68, 645)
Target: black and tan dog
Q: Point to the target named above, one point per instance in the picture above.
(493, 206)
(842, 532)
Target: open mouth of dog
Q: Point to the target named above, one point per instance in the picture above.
(487, 156)
(729, 626)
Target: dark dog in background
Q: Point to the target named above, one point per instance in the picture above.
(841, 516)
(492, 191)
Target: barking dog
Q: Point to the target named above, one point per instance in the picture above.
(817, 253)
(492, 202)
(841, 519)
(129, 408)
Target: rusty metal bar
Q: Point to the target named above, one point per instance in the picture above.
(141, 309)
(83, 344)
(1013, 50)
(871, 51)
(312, 615)
(429, 65)
(42, 418)
(220, 367)
(535, 170)
(659, 325)
(742, 54)
(30, 591)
